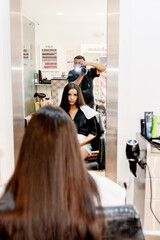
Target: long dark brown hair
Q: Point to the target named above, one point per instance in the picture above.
(51, 193)
(65, 103)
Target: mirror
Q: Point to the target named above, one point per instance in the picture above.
(67, 29)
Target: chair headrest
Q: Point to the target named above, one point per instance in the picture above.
(122, 223)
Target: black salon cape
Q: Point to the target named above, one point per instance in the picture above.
(85, 126)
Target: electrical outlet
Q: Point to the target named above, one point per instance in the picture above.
(124, 183)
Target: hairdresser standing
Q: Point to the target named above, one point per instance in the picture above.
(84, 77)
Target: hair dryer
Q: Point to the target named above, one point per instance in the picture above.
(132, 153)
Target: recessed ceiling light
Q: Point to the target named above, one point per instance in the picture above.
(100, 13)
(59, 13)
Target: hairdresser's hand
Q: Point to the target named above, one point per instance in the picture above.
(83, 63)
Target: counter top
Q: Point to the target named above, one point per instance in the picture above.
(149, 147)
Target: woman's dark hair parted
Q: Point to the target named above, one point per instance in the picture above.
(65, 103)
(50, 195)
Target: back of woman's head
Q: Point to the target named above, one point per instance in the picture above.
(53, 196)
(49, 154)
(65, 103)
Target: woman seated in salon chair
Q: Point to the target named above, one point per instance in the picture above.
(51, 195)
(82, 115)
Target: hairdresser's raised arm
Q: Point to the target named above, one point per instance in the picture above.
(100, 67)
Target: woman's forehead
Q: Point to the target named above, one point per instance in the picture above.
(72, 90)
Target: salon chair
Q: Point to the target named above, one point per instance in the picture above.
(97, 160)
(122, 223)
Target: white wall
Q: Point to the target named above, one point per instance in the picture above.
(67, 35)
(6, 114)
(139, 70)
(80, 24)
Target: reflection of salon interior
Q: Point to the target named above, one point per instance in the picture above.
(44, 42)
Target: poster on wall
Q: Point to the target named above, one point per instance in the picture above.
(49, 58)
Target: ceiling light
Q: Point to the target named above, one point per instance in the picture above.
(59, 13)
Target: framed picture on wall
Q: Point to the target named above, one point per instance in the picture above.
(49, 58)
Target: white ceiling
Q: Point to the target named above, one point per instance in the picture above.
(79, 11)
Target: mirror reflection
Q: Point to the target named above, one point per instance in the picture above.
(64, 42)
(50, 43)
